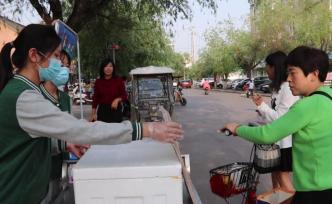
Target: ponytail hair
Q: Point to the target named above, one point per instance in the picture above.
(6, 68)
(41, 37)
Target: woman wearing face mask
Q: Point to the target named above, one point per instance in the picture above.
(28, 120)
(109, 93)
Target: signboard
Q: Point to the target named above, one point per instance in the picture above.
(68, 37)
(69, 42)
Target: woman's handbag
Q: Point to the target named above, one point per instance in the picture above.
(266, 158)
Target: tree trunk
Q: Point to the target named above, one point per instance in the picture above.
(248, 72)
(215, 80)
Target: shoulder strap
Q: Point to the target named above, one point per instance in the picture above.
(322, 93)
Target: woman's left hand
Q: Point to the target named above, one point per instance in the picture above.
(231, 127)
(257, 99)
(115, 103)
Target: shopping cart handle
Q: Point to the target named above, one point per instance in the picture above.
(226, 131)
(253, 124)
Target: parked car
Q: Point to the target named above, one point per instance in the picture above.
(196, 84)
(265, 84)
(186, 83)
(235, 83)
(259, 80)
(224, 83)
(266, 88)
(241, 84)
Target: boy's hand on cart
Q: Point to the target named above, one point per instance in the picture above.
(230, 129)
(168, 132)
(257, 99)
(77, 149)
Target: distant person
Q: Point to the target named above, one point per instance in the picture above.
(251, 87)
(206, 86)
(109, 94)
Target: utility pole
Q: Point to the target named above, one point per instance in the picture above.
(192, 45)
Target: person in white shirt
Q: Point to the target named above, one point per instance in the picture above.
(282, 99)
(251, 87)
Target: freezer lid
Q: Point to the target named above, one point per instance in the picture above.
(139, 159)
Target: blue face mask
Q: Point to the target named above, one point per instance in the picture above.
(55, 73)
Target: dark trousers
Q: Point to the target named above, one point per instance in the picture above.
(106, 114)
(313, 197)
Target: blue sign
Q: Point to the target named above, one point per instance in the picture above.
(68, 38)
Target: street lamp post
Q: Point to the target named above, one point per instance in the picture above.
(115, 47)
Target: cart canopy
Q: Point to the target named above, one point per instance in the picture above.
(151, 70)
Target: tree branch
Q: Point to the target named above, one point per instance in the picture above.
(56, 9)
(84, 11)
(41, 11)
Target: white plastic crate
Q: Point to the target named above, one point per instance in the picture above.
(143, 172)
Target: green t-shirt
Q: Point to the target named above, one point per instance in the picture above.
(309, 120)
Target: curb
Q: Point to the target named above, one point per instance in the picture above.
(237, 91)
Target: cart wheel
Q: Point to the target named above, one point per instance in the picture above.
(183, 101)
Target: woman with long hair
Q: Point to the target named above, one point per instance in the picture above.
(109, 93)
(281, 100)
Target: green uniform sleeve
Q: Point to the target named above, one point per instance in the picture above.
(137, 131)
(294, 120)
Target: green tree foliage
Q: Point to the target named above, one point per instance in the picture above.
(76, 13)
(137, 26)
(248, 51)
(228, 50)
(314, 25)
(284, 25)
(276, 25)
(142, 43)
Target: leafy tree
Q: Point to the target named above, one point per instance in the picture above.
(76, 13)
(248, 51)
(227, 50)
(137, 26)
(142, 43)
(314, 24)
(284, 25)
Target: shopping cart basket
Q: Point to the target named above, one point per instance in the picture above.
(233, 179)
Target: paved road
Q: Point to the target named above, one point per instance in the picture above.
(201, 118)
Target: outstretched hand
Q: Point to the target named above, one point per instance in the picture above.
(168, 132)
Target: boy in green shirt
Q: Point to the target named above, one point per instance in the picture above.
(309, 121)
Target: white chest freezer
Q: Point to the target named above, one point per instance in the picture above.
(143, 172)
